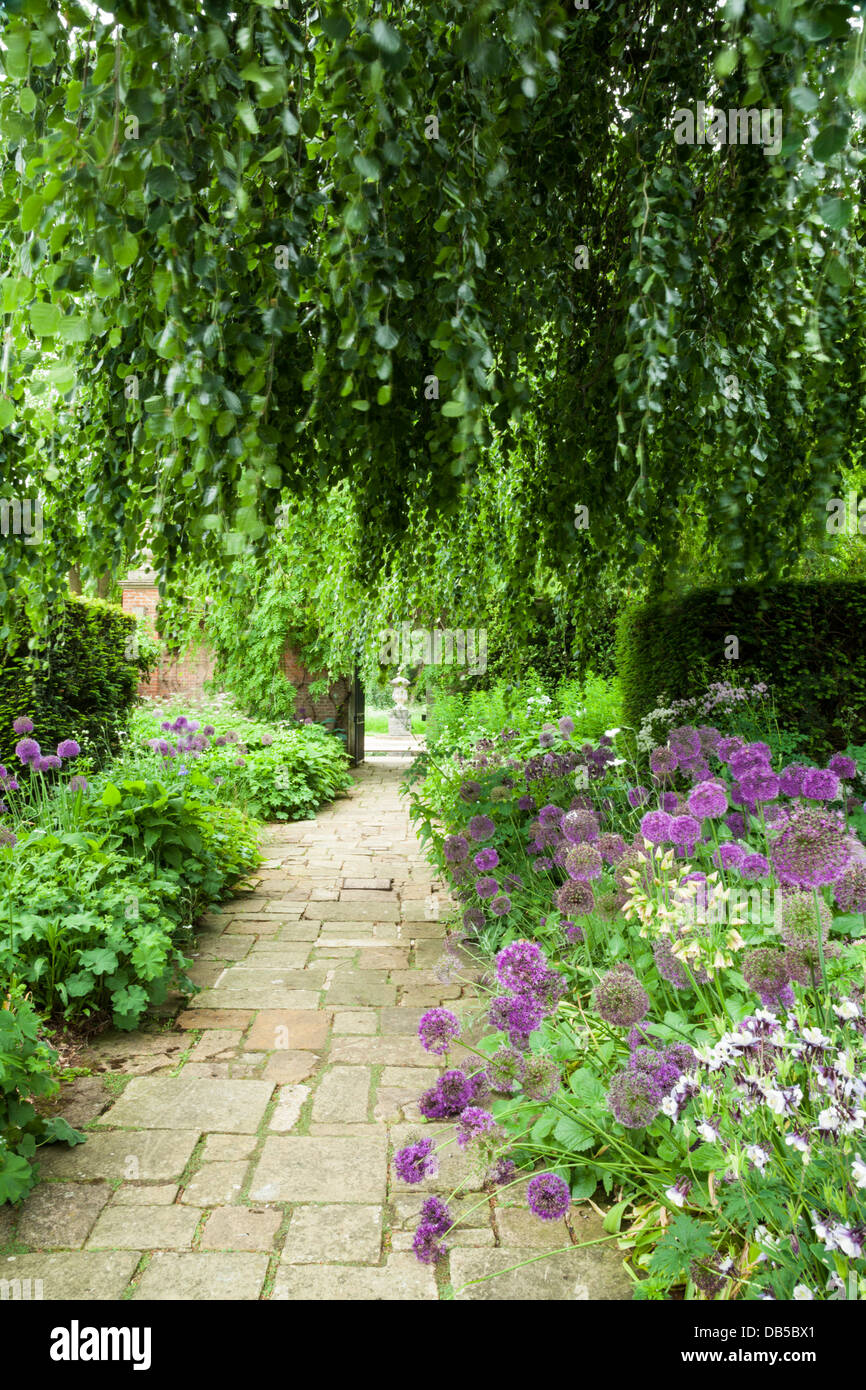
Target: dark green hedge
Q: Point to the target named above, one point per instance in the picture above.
(79, 683)
(807, 641)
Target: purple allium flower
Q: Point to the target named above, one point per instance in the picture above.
(729, 856)
(583, 862)
(656, 827)
(709, 736)
(542, 864)
(437, 1030)
(620, 998)
(416, 1162)
(78, 784)
(791, 779)
(473, 1124)
(685, 741)
(22, 725)
(843, 766)
(27, 751)
(670, 802)
(486, 887)
(579, 825)
(526, 803)
(708, 799)
(755, 866)
(850, 888)
(682, 1056)
(727, 746)
(821, 784)
(505, 1070)
(611, 846)
(736, 822)
(426, 1244)
(209, 732)
(520, 966)
(473, 919)
(574, 899)
(548, 1196)
(671, 968)
(455, 1091)
(685, 830)
(550, 815)
(663, 762)
(68, 749)
(759, 785)
(517, 1016)
(435, 1213)
(7, 838)
(797, 921)
(545, 738)
(486, 859)
(470, 791)
(512, 882)
(542, 1078)
(501, 905)
(634, 1098)
(752, 756)
(812, 849)
(766, 972)
(637, 796)
(566, 726)
(573, 933)
(502, 1171)
(48, 763)
(220, 742)
(455, 848)
(481, 828)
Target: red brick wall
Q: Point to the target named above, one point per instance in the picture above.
(186, 674)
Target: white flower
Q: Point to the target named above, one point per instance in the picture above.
(709, 1134)
(828, 1119)
(815, 1037)
(758, 1156)
(802, 1292)
(674, 1195)
(858, 1171)
(611, 733)
(846, 1008)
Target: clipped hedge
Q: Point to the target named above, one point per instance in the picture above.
(807, 641)
(81, 680)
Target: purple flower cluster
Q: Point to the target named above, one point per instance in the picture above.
(534, 991)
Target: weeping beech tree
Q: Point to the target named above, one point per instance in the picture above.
(428, 254)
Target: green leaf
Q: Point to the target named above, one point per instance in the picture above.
(7, 412)
(111, 795)
(803, 98)
(126, 251)
(386, 337)
(31, 211)
(613, 1219)
(44, 319)
(831, 140)
(835, 212)
(385, 37)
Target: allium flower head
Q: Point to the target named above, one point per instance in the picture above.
(505, 1070)
(634, 1098)
(754, 866)
(728, 746)
(685, 830)
(473, 919)
(620, 998)
(843, 766)
(671, 968)
(811, 849)
(729, 856)
(437, 1030)
(426, 1244)
(550, 815)
(27, 751)
(435, 1213)
(795, 919)
(766, 972)
(22, 725)
(612, 847)
(455, 848)
(7, 838)
(656, 827)
(518, 1016)
(470, 791)
(850, 888)
(485, 859)
(542, 1078)
(583, 862)
(820, 784)
(500, 906)
(486, 887)
(578, 826)
(663, 762)
(474, 1124)
(481, 828)
(684, 741)
(707, 799)
(520, 966)
(548, 1196)
(637, 796)
(416, 1162)
(566, 726)
(791, 779)
(49, 762)
(574, 899)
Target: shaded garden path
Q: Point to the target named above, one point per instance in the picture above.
(248, 1154)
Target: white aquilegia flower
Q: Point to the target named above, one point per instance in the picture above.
(858, 1171)
(757, 1155)
(846, 1008)
(802, 1293)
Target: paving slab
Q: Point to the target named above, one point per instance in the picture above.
(326, 1234)
(215, 1184)
(230, 1107)
(328, 1169)
(144, 1228)
(574, 1275)
(401, 1279)
(293, 1030)
(77, 1275)
(241, 1228)
(155, 1156)
(202, 1277)
(61, 1215)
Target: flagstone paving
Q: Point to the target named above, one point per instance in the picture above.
(243, 1149)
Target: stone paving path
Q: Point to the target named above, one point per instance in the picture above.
(242, 1151)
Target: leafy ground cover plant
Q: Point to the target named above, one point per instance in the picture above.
(678, 1008)
(459, 719)
(26, 1074)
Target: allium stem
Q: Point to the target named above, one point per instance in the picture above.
(565, 1249)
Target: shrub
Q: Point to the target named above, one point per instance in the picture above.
(806, 641)
(80, 680)
(25, 1072)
